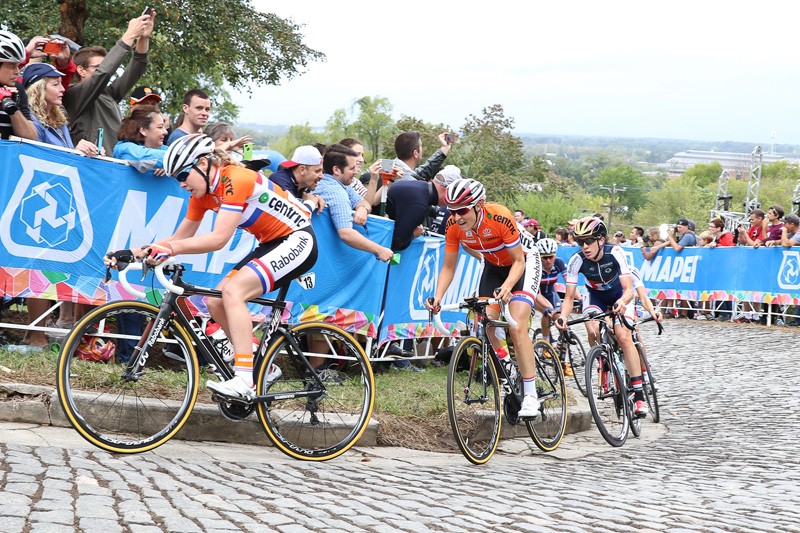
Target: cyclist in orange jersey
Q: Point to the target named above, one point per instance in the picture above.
(245, 199)
(509, 273)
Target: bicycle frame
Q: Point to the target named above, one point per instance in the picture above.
(174, 306)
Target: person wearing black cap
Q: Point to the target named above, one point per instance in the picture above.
(686, 236)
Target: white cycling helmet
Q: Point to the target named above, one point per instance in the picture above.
(465, 192)
(11, 48)
(547, 246)
(186, 151)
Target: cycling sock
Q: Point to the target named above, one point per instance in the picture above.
(243, 366)
(638, 392)
(529, 386)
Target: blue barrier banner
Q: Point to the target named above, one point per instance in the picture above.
(405, 315)
(768, 275)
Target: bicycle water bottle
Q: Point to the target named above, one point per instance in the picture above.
(220, 341)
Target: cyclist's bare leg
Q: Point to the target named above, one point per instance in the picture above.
(593, 332)
(235, 316)
(625, 341)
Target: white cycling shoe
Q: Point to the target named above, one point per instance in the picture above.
(530, 407)
(235, 387)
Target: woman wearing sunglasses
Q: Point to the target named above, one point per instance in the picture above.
(240, 198)
(509, 272)
(609, 286)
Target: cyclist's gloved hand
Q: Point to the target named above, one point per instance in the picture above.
(432, 304)
(158, 253)
(118, 260)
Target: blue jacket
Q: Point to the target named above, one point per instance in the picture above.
(141, 157)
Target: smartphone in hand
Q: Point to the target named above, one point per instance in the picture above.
(147, 11)
(450, 138)
(247, 151)
(99, 139)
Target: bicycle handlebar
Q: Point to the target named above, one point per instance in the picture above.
(159, 272)
(439, 325)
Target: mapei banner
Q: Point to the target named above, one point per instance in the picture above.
(63, 212)
(768, 275)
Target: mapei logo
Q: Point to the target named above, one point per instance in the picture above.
(46, 216)
(789, 272)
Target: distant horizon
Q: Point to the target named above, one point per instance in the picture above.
(765, 148)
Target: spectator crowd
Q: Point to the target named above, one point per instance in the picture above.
(56, 92)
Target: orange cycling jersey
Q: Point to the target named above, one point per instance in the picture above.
(267, 211)
(495, 234)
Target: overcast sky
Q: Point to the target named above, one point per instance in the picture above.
(679, 69)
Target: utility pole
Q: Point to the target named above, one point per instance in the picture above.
(613, 190)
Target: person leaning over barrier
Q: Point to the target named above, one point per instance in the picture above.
(280, 222)
(790, 232)
(92, 101)
(509, 274)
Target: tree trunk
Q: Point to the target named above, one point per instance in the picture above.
(73, 18)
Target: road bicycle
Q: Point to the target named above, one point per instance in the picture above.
(608, 384)
(480, 387)
(570, 348)
(138, 405)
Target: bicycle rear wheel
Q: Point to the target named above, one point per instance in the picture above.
(548, 430)
(126, 408)
(473, 401)
(607, 396)
(329, 422)
(577, 358)
(650, 393)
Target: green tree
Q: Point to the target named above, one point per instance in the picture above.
(680, 197)
(298, 135)
(705, 174)
(551, 210)
(196, 44)
(374, 124)
(488, 151)
(613, 179)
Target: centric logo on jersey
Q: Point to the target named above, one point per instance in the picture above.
(47, 217)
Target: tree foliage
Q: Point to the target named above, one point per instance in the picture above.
(196, 44)
(634, 196)
(704, 174)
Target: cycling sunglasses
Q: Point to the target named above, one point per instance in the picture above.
(461, 211)
(183, 175)
(586, 241)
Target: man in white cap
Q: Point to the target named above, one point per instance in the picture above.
(300, 174)
(409, 203)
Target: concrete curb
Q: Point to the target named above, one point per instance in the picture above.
(20, 402)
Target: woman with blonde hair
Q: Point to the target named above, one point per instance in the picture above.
(45, 92)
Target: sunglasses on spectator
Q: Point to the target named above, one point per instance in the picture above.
(461, 211)
(183, 175)
(587, 241)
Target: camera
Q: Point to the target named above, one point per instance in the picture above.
(147, 10)
(8, 103)
(450, 138)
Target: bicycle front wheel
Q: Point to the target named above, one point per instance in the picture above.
(473, 401)
(126, 407)
(576, 355)
(328, 422)
(607, 396)
(548, 429)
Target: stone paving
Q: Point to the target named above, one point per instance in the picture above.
(725, 458)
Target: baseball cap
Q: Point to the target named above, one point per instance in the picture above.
(303, 155)
(529, 222)
(682, 222)
(140, 93)
(448, 175)
(792, 219)
(619, 234)
(37, 71)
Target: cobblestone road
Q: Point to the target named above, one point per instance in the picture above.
(725, 458)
